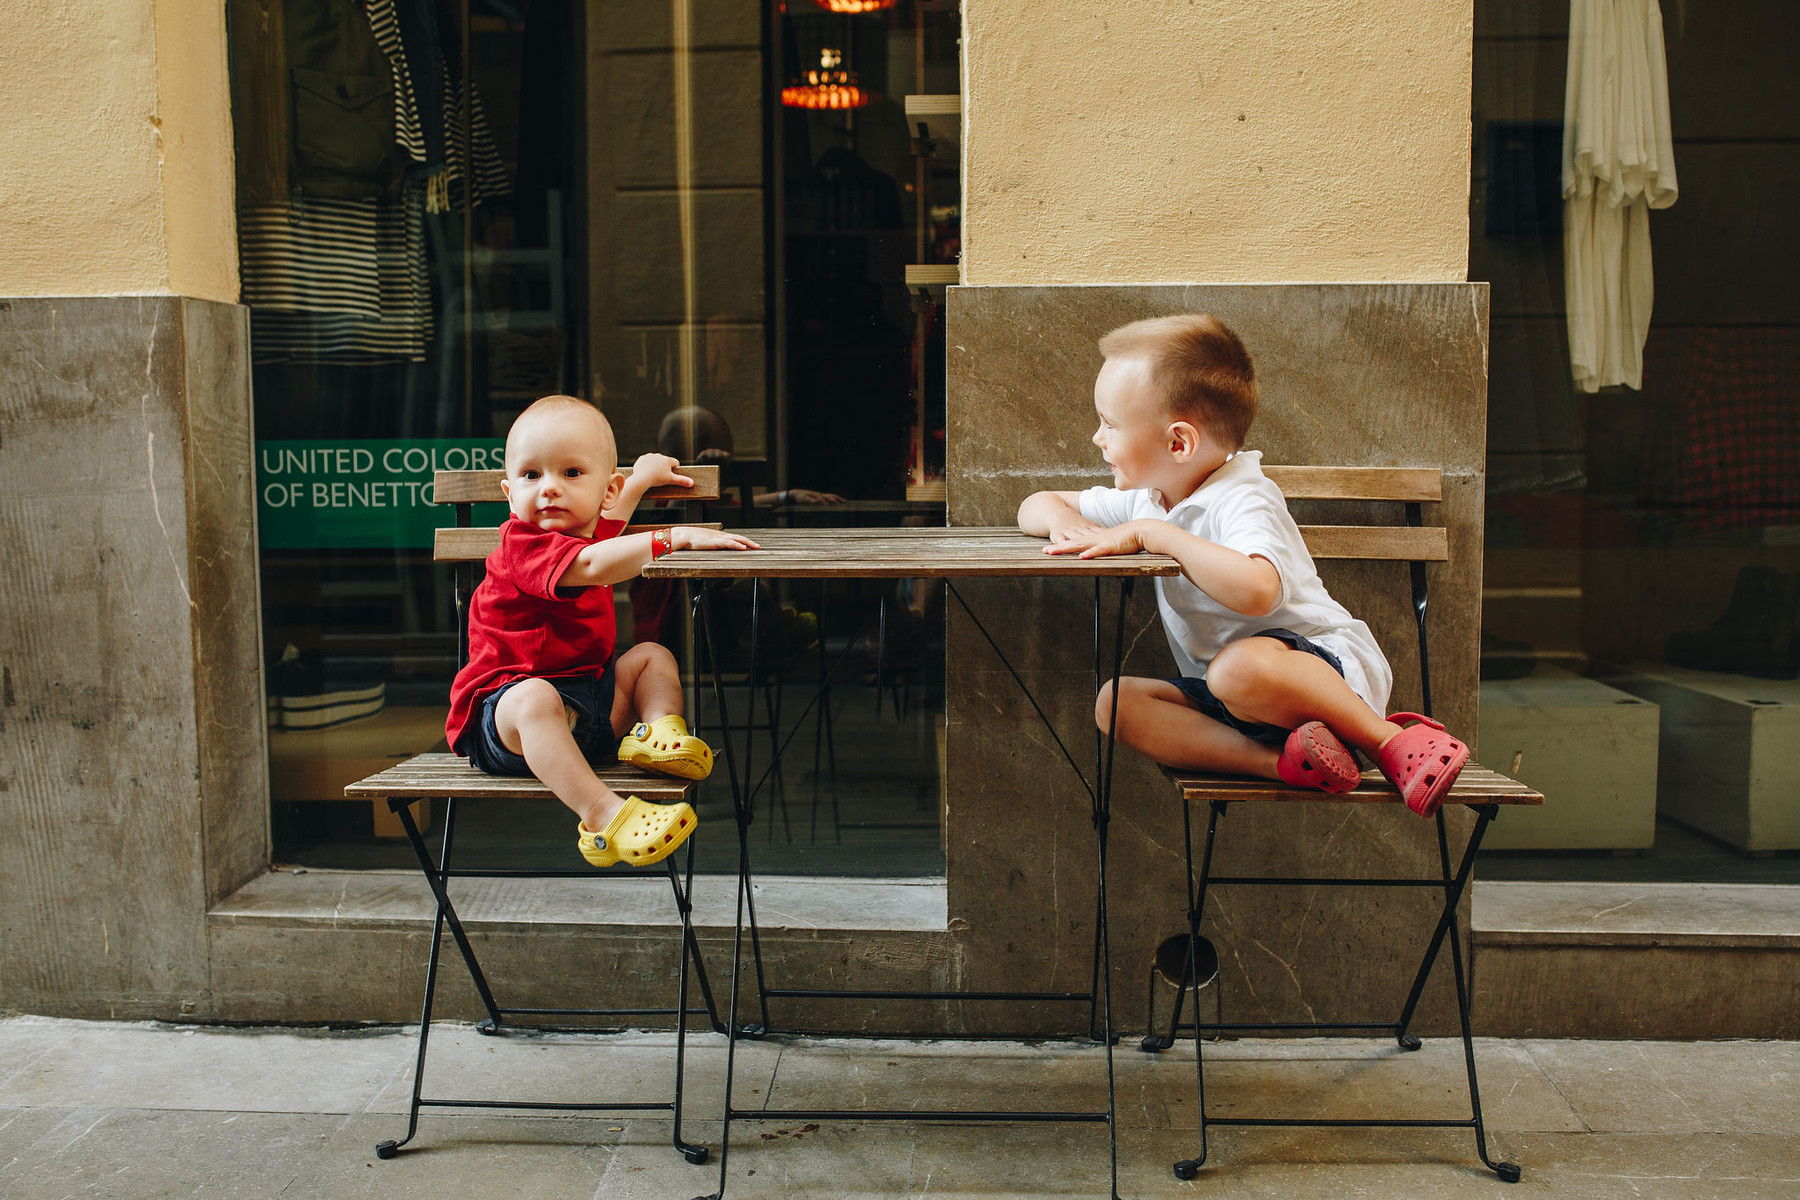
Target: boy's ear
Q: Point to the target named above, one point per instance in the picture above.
(506, 487)
(1184, 440)
(614, 487)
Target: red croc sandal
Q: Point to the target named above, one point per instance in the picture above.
(1422, 761)
(1315, 758)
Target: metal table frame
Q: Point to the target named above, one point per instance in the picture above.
(1031, 563)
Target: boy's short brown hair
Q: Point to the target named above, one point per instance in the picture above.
(1200, 367)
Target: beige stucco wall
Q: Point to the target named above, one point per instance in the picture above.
(116, 140)
(1216, 141)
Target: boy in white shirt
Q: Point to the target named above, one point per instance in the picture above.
(1276, 677)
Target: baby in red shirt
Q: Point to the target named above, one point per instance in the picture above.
(541, 694)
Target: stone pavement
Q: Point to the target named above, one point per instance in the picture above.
(98, 1109)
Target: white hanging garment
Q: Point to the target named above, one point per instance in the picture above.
(1617, 164)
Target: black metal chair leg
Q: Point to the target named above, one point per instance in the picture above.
(1188, 1167)
(1507, 1171)
(693, 1152)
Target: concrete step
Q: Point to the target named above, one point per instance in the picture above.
(1637, 960)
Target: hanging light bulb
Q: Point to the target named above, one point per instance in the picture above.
(828, 85)
(855, 7)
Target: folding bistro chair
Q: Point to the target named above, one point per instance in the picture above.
(451, 778)
(1477, 788)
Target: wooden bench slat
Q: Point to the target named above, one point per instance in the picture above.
(1476, 785)
(1417, 484)
(451, 775)
(1407, 543)
(483, 487)
(474, 545)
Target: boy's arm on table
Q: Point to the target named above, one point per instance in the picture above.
(618, 559)
(1241, 582)
(1055, 515)
(650, 470)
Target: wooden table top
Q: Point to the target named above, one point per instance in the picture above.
(898, 553)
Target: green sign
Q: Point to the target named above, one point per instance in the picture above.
(315, 495)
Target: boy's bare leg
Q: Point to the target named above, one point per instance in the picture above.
(532, 722)
(646, 685)
(1156, 720)
(1262, 679)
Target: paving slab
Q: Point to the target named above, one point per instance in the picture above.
(520, 1158)
(636, 1067)
(101, 1064)
(134, 1154)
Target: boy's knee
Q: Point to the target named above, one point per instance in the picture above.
(532, 699)
(1103, 704)
(1233, 673)
(647, 656)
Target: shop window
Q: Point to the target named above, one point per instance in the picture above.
(446, 211)
(1641, 620)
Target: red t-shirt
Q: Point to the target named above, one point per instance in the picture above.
(521, 625)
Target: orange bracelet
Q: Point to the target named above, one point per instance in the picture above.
(660, 543)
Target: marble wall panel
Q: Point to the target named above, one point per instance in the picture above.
(1366, 375)
(131, 703)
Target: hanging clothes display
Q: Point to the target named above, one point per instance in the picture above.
(1618, 163)
(336, 270)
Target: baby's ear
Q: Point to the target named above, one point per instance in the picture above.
(614, 486)
(1184, 439)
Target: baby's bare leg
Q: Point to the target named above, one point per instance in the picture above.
(1261, 679)
(532, 722)
(1155, 719)
(646, 685)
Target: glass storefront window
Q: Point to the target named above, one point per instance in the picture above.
(1642, 582)
(446, 211)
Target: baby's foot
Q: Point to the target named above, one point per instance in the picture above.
(639, 834)
(1314, 757)
(666, 747)
(1422, 761)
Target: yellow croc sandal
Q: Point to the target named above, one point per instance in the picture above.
(640, 833)
(666, 747)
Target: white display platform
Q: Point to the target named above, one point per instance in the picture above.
(1730, 762)
(1590, 748)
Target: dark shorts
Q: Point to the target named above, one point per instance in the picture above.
(590, 697)
(1203, 699)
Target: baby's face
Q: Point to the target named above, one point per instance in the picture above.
(561, 470)
(1134, 427)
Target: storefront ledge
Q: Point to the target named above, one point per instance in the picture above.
(321, 899)
(1716, 916)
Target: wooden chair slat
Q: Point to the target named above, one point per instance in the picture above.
(1415, 484)
(1476, 785)
(474, 545)
(451, 775)
(483, 487)
(1427, 543)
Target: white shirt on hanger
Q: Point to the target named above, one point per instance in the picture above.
(1618, 163)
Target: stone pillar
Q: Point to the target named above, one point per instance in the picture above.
(133, 778)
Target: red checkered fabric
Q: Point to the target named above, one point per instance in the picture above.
(1727, 457)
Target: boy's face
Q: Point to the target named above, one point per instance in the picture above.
(1143, 444)
(561, 470)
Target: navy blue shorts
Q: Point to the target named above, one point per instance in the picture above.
(1203, 699)
(592, 699)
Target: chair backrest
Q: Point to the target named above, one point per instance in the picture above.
(1411, 486)
(1412, 541)
(464, 489)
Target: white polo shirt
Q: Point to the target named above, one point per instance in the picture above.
(1239, 508)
